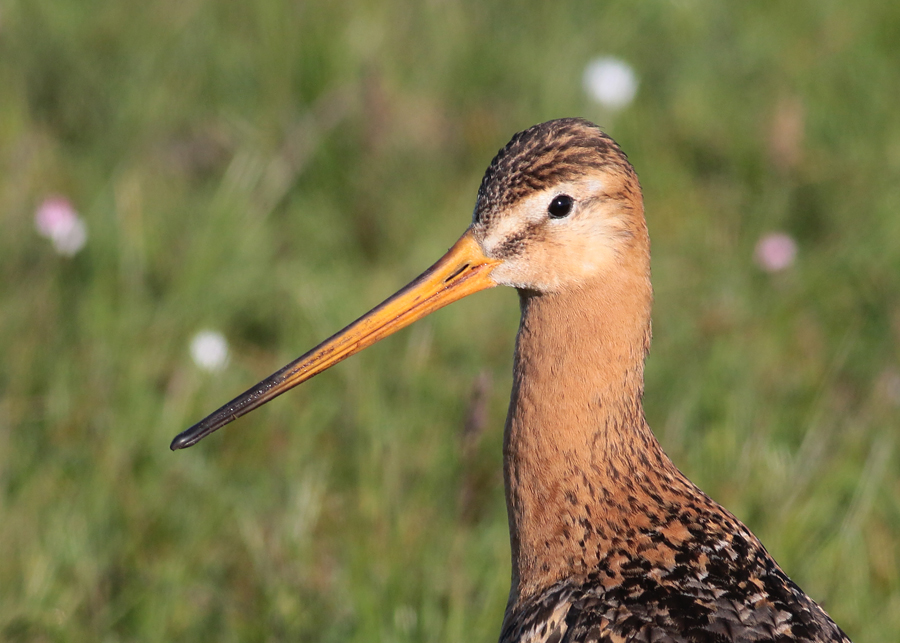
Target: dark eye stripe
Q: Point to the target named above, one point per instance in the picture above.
(560, 206)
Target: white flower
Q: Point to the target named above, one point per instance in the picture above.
(611, 82)
(58, 221)
(775, 251)
(209, 350)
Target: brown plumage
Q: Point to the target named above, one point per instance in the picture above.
(610, 541)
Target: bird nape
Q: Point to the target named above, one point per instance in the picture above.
(610, 541)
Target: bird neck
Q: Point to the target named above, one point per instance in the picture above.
(576, 438)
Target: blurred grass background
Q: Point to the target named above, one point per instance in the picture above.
(273, 169)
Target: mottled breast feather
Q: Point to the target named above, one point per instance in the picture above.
(723, 587)
(582, 611)
(545, 155)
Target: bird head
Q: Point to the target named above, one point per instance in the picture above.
(558, 207)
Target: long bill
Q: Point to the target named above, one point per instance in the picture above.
(462, 271)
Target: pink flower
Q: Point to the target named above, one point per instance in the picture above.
(58, 221)
(775, 251)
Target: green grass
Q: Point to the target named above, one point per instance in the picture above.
(273, 169)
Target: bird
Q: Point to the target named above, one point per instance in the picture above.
(610, 541)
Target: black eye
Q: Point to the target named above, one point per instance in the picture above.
(560, 206)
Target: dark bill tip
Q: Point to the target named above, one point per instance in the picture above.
(193, 435)
(182, 440)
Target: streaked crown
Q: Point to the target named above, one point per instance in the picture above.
(545, 155)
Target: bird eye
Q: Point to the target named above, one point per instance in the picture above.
(560, 206)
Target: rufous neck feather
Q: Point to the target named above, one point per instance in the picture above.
(576, 426)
